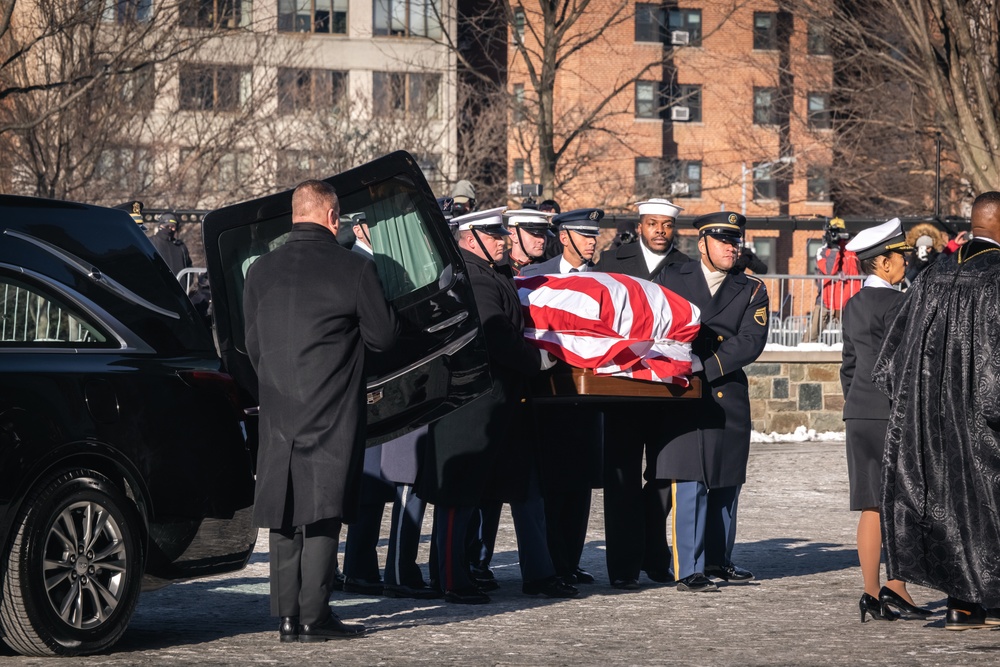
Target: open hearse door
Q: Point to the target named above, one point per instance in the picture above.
(440, 361)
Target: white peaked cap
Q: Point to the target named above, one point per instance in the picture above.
(658, 207)
(528, 216)
(483, 220)
(879, 239)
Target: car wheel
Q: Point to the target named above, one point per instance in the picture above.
(72, 576)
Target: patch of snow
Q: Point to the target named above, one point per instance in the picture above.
(801, 434)
(804, 347)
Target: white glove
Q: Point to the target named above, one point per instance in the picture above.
(548, 361)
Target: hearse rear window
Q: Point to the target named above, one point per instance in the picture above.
(31, 317)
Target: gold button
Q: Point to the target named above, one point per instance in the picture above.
(720, 339)
(719, 394)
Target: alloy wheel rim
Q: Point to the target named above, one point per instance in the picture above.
(84, 565)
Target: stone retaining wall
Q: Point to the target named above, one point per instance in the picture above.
(791, 389)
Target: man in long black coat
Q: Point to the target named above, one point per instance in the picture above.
(311, 308)
(634, 519)
(940, 365)
(705, 455)
(467, 447)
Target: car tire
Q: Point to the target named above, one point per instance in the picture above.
(58, 600)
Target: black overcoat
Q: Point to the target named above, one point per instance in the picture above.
(867, 316)
(712, 444)
(940, 492)
(462, 461)
(628, 259)
(311, 308)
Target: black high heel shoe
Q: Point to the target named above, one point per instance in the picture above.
(890, 598)
(878, 610)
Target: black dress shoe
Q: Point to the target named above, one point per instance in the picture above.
(481, 572)
(696, 583)
(421, 592)
(550, 587)
(582, 576)
(871, 606)
(965, 616)
(660, 576)
(466, 596)
(363, 586)
(338, 581)
(288, 631)
(729, 573)
(626, 584)
(893, 600)
(331, 628)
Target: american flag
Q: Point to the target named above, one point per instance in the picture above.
(611, 323)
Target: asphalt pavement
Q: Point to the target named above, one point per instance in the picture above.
(795, 533)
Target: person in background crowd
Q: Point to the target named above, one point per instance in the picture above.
(833, 259)
(749, 260)
(927, 243)
(301, 322)
(463, 198)
(171, 249)
(707, 447)
(882, 252)
(940, 366)
(553, 248)
(134, 209)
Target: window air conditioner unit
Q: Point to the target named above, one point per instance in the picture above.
(680, 37)
(679, 189)
(514, 188)
(680, 113)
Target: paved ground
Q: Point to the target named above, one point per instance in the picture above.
(795, 534)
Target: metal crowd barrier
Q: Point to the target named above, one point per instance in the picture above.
(797, 316)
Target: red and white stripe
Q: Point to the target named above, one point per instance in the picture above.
(611, 323)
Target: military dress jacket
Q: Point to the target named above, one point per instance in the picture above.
(311, 308)
(461, 461)
(709, 440)
(629, 260)
(867, 316)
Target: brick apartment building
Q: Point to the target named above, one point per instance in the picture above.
(718, 104)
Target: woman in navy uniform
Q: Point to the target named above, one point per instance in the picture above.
(708, 440)
(867, 315)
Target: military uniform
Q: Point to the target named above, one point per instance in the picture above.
(634, 518)
(705, 455)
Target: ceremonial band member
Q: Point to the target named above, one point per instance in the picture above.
(306, 334)
(708, 441)
(571, 438)
(467, 447)
(940, 365)
(881, 250)
(629, 510)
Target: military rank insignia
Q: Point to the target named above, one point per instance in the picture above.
(760, 316)
(732, 218)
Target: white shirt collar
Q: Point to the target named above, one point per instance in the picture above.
(875, 281)
(565, 267)
(652, 259)
(988, 240)
(364, 246)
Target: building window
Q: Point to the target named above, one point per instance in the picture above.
(683, 178)
(213, 87)
(765, 106)
(127, 11)
(817, 184)
(646, 103)
(684, 21)
(234, 169)
(311, 89)
(414, 94)
(763, 247)
(686, 96)
(649, 20)
(816, 41)
(819, 111)
(407, 18)
(646, 181)
(296, 166)
(125, 169)
(765, 31)
(214, 13)
(518, 114)
(229, 171)
(430, 166)
(323, 16)
(518, 171)
(519, 22)
(765, 183)
(135, 89)
(813, 247)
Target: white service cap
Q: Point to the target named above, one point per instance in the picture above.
(528, 217)
(489, 221)
(658, 207)
(879, 240)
